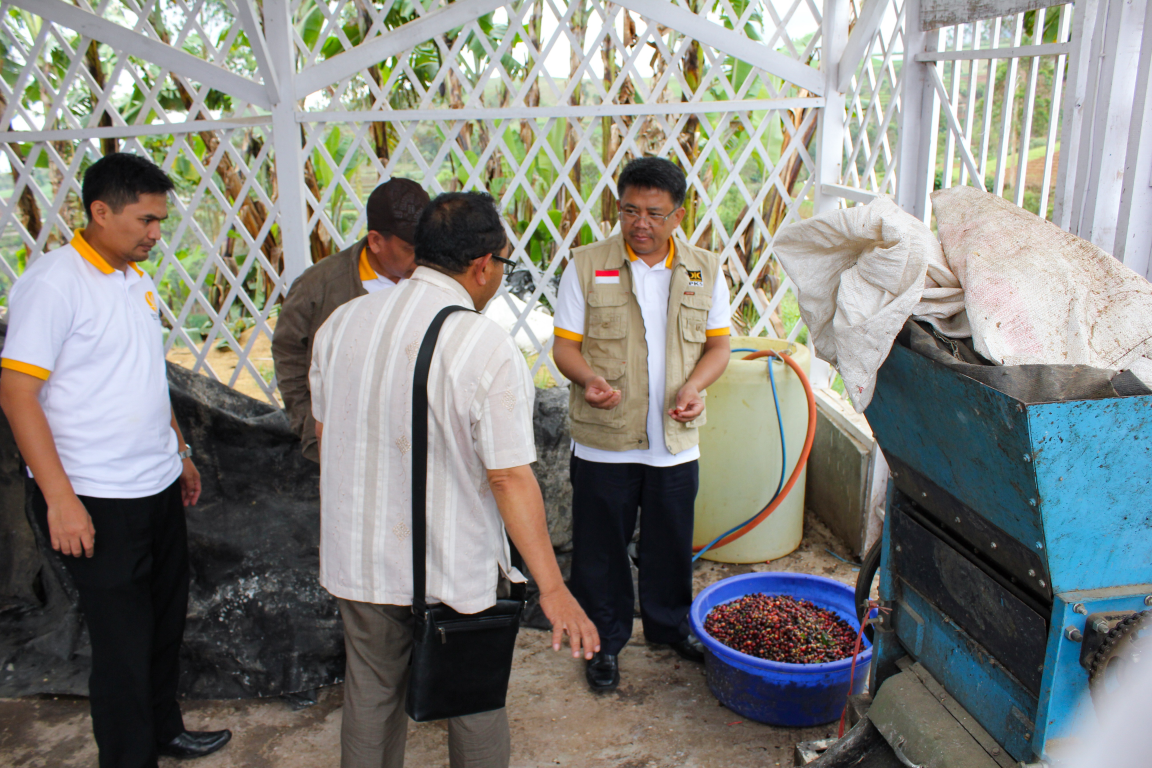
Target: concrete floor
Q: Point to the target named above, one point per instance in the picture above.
(661, 716)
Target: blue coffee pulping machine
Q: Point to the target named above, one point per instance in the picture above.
(1016, 564)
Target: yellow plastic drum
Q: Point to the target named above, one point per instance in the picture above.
(740, 454)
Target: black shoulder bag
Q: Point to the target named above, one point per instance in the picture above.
(460, 662)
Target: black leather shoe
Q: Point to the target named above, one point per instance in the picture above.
(602, 673)
(195, 744)
(689, 649)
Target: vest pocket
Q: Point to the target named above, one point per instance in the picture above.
(692, 325)
(694, 318)
(613, 372)
(607, 315)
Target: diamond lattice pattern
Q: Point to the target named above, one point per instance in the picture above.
(539, 102)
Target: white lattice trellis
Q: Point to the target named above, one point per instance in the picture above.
(1034, 104)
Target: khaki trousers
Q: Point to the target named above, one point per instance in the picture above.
(378, 641)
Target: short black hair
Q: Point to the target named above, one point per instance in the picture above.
(457, 228)
(654, 173)
(118, 179)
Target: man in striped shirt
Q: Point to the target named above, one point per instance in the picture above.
(480, 445)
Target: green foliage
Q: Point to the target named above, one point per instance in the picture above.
(519, 175)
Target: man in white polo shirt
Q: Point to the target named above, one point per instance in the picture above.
(85, 388)
(641, 330)
(379, 262)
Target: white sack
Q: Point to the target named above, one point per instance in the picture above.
(1039, 295)
(506, 316)
(859, 274)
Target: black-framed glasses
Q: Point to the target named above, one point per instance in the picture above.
(509, 265)
(632, 214)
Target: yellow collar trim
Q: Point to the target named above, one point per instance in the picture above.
(95, 259)
(366, 271)
(667, 262)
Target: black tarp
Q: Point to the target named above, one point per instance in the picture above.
(259, 623)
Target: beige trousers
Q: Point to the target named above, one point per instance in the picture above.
(378, 640)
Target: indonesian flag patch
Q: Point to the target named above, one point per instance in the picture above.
(604, 276)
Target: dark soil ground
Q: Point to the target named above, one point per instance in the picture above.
(662, 715)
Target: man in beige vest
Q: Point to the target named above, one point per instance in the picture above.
(641, 329)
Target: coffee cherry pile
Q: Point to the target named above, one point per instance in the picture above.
(781, 628)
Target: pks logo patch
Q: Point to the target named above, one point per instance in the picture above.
(695, 274)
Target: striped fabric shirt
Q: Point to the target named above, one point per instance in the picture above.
(480, 396)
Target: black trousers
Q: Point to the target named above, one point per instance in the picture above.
(605, 501)
(134, 597)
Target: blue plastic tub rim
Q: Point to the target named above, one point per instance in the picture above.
(698, 613)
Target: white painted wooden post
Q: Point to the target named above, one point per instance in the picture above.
(286, 142)
(1106, 79)
(830, 136)
(1111, 122)
(1134, 228)
(919, 118)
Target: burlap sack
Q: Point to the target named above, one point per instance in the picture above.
(859, 273)
(1036, 294)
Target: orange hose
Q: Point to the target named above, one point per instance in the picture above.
(808, 439)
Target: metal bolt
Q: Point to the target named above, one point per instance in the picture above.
(1073, 634)
(995, 751)
(1039, 545)
(924, 495)
(1148, 600)
(1031, 572)
(1100, 626)
(1032, 502)
(1079, 608)
(957, 519)
(993, 545)
(1042, 583)
(898, 548)
(1027, 457)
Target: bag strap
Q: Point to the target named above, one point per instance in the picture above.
(420, 467)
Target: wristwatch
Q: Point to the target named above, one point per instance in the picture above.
(186, 453)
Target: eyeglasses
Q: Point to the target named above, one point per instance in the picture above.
(633, 214)
(509, 265)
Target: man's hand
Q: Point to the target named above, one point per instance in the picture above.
(566, 615)
(70, 527)
(570, 360)
(598, 394)
(689, 404)
(189, 484)
(522, 507)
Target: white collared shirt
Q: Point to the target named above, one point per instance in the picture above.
(480, 397)
(93, 335)
(652, 285)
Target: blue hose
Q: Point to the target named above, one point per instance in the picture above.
(783, 459)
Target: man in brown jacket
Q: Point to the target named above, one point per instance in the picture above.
(380, 261)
